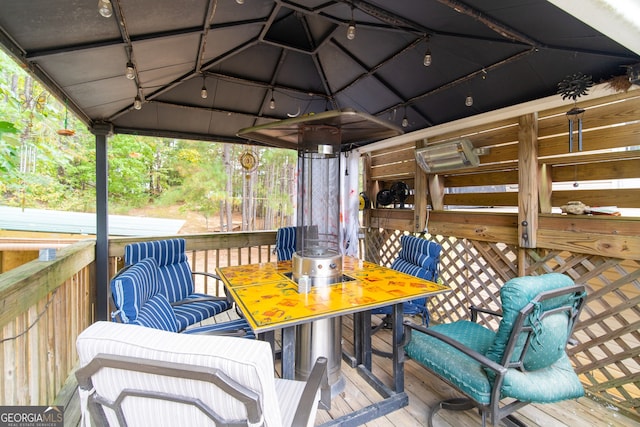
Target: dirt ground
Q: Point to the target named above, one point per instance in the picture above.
(195, 223)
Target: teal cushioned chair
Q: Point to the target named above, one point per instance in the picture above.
(524, 360)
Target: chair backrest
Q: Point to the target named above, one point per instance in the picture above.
(138, 300)
(175, 379)
(285, 243)
(539, 313)
(174, 271)
(418, 257)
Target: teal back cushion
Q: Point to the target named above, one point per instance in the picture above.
(548, 344)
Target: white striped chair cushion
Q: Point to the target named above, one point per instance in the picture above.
(249, 362)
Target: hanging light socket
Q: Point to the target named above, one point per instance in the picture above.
(104, 8)
(405, 122)
(351, 29)
(272, 103)
(137, 103)
(130, 71)
(203, 91)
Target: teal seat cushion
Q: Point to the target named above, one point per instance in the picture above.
(547, 346)
(551, 384)
(459, 369)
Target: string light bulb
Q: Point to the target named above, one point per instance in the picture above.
(427, 58)
(203, 91)
(130, 71)
(240, 1)
(351, 29)
(137, 103)
(104, 8)
(272, 103)
(405, 122)
(468, 101)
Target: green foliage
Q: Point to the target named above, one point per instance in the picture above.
(41, 168)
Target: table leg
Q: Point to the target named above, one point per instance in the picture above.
(365, 328)
(288, 352)
(398, 350)
(269, 337)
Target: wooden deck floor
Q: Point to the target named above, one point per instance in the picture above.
(424, 390)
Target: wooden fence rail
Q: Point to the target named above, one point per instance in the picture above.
(44, 306)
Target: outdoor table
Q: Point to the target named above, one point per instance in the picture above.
(269, 300)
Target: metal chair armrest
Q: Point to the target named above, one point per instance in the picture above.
(474, 312)
(205, 273)
(199, 299)
(317, 380)
(230, 333)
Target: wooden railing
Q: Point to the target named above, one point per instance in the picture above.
(44, 305)
(206, 252)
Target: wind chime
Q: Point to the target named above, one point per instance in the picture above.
(573, 87)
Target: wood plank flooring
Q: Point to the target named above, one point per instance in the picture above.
(424, 391)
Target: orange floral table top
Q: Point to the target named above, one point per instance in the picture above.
(270, 300)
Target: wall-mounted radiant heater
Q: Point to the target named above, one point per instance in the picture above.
(447, 156)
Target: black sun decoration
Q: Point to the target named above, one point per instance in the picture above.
(573, 87)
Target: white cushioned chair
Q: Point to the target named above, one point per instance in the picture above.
(136, 376)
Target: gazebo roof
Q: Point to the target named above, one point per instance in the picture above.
(297, 54)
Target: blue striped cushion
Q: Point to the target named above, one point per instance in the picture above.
(189, 314)
(422, 253)
(158, 314)
(285, 243)
(174, 272)
(132, 288)
(420, 258)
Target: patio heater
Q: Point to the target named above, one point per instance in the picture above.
(317, 261)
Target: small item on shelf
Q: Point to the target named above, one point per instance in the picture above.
(575, 208)
(579, 208)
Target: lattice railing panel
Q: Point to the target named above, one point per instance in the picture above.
(607, 354)
(608, 342)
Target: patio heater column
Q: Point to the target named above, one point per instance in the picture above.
(317, 262)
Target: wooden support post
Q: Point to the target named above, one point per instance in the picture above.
(528, 180)
(436, 192)
(546, 182)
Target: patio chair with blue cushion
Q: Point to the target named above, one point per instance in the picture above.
(134, 376)
(524, 361)
(138, 299)
(285, 243)
(420, 258)
(176, 280)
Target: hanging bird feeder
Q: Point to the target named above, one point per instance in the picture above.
(573, 87)
(66, 131)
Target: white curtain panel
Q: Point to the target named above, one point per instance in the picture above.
(349, 202)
